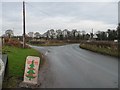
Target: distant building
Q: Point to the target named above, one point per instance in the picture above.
(74, 32)
(31, 34)
(37, 35)
(58, 33)
(51, 34)
(95, 36)
(83, 32)
(65, 33)
(44, 35)
(79, 32)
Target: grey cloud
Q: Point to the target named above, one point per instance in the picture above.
(70, 13)
(101, 11)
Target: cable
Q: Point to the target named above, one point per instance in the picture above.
(38, 9)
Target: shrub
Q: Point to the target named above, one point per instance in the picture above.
(103, 44)
(37, 42)
(109, 48)
(14, 42)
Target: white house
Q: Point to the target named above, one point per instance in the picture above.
(65, 33)
(37, 35)
(31, 34)
(51, 34)
(95, 36)
(76, 34)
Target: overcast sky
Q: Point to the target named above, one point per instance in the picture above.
(42, 16)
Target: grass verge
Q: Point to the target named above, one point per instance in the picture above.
(101, 50)
(16, 64)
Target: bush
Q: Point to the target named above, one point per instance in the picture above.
(37, 42)
(109, 48)
(14, 42)
(103, 44)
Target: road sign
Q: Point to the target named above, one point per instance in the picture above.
(31, 70)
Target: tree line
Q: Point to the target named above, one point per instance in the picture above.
(109, 35)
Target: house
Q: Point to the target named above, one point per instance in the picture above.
(74, 32)
(79, 32)
(37, 35)
(65, 33)
(31, 34)
(95, 36)
(58, 32)
(51, 34)
(44, 35)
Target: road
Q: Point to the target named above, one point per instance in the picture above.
(73, 67)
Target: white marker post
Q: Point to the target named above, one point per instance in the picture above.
(31, 70)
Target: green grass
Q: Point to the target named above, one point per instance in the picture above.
(102, 50)
(16, 64)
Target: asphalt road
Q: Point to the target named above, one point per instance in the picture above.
(73, 67)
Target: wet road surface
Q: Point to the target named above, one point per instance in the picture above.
(73, 67)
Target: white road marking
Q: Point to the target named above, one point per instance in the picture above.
(46, 53)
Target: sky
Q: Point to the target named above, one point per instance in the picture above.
(42, 16)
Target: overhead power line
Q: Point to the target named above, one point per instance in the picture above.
(40, 11)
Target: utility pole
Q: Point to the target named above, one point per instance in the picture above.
(92, 30)
(92, 34)
(23, 24)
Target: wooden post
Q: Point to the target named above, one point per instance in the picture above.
(23, 24)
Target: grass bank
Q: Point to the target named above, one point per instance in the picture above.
(47, 43)
(16, 64)
(50, 44)
(101, 48)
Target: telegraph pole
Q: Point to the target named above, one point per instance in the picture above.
(92, 30)
(23, 24)
(92, 34)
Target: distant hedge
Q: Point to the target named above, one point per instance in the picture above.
(36, 42)
(108, 48)
(14, 42)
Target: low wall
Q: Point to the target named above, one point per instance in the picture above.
(3, 64)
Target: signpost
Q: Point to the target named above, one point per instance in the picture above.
(31, 70)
